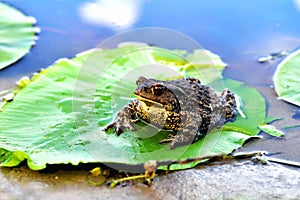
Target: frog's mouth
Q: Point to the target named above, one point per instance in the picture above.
(148, 102)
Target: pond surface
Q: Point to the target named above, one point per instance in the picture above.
(239, 31)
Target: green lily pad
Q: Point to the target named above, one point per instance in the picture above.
(17, 35)
(59, 116)
(286, 79)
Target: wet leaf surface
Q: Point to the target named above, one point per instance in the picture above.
(59, 116)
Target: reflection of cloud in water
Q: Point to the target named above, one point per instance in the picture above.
(117, 14)
(297, 2)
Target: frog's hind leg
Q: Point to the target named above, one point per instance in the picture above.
(180, 139)
(230, 105)
(186, 134)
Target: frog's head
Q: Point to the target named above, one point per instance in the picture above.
(152, 91)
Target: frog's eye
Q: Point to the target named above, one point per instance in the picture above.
(158, 89)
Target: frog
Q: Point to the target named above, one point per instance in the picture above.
(185, 107)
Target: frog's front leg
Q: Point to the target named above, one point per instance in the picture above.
(187, 132)
(124, 119)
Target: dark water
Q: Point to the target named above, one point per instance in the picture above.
(239, 31)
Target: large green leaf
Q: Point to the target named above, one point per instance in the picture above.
(17, 35)
(59, 116)
(286, 79)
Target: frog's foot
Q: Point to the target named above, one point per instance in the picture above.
(120, 125)
(181, 140)
(169, 139)
(178, 140)
(124, 119)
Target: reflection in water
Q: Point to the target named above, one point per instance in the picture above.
(297, 2)
(116, 14)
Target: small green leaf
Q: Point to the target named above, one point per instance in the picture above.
(17, 35)
(286, 78)
(271, 130)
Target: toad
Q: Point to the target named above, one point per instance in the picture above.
(185, 106)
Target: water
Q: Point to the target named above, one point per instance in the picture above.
(239, 31)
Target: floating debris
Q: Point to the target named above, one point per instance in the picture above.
(273, 56)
